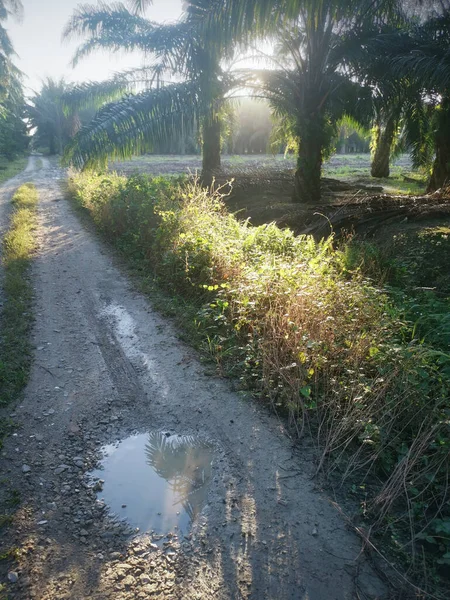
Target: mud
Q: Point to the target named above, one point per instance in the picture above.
(107, 367)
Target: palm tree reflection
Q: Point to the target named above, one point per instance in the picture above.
(185, 462)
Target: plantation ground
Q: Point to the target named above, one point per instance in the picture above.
(262, 187)
(105, 365)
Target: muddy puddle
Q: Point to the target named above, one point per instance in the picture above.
(157, 482)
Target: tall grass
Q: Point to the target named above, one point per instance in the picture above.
(309, 333)
(16, 314)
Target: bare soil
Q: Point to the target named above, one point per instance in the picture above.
(107, 366)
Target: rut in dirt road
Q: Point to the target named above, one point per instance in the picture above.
(107, 367)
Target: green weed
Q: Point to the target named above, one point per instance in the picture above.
(16, 316)
(9, 169)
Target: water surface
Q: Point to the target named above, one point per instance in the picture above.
(156, 481)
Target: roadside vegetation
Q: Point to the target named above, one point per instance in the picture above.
(9, 169)
(17, 295)
(341, 338)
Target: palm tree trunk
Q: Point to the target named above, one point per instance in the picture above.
(381, 158)
(440, 175)
(309, 165)
(211, 148)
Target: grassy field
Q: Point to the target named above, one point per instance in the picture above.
(341, 339)
(354, 168)
(16, 314)
(12, 168)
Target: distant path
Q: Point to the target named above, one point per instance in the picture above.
(106, 365)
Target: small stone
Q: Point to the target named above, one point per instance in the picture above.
(314, 532)
(124, 567)
(13, 577)
(44, 522)
(61, 469)
(129, 581)
(144, 579)
(84, 533)
(26, 469)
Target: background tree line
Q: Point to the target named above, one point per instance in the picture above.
(332, 60)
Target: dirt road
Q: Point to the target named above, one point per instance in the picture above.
(105, 367)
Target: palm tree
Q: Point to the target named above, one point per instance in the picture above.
(13, 134)
(426, 56)
(317, 29)
(9, 74)
(46, 115)
(397, 102)
(311, 126)
(420, 56)
(136, 121)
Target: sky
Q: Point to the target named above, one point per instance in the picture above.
(42, 53)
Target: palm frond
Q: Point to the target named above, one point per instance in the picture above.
(135, 124)
(225, 21)
(93, 94)
(12, 8)
(6, 46)
(92, 20)
(139, 6)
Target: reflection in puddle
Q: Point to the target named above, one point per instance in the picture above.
(156, 481)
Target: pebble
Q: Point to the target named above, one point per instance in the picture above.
(129, 581)
(61, 469)
(13, 577)
(26, 469)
